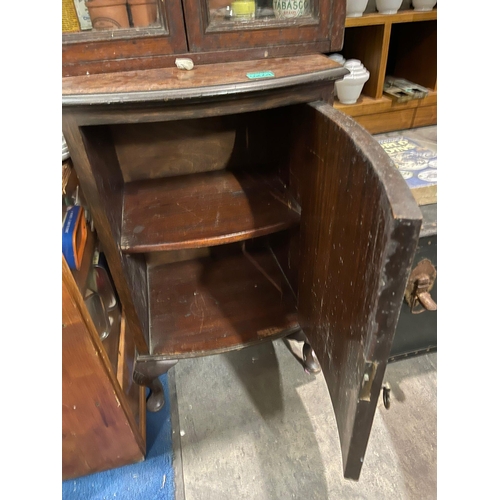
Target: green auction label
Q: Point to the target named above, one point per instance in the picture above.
(260, 74)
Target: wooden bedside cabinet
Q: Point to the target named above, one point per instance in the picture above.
(234, 211)
(233, 204)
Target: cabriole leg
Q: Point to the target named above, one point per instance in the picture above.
(310, 361)
(146, 372)
(307, 357)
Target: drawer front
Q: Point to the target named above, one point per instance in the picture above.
(424, 116)
(385, 122)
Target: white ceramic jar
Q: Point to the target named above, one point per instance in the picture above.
(388, 6)
(423, 5)
(349, 88)
(355, 8)
(337, 58)
(65, 150)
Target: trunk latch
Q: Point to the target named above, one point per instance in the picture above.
(419, 285)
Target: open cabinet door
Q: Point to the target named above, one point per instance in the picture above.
(358, 234)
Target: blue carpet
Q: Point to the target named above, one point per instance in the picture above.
(152, 479)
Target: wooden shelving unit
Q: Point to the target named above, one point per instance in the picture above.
(402, 45)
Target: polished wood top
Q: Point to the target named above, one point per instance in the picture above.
(202, 81)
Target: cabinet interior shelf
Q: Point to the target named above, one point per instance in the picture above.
(218, 303)
(204, 209)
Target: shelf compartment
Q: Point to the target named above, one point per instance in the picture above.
(370, 45)
(204, 209)
(413, 53)
(218, 303)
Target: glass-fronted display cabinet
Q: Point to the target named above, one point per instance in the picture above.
(116, 35)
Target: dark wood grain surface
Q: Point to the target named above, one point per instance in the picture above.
(338, 26)
(358, 233)
(204, 209)
(203, 80)
(218, 303)
(163, 149)
(214, 106)
(80, 65)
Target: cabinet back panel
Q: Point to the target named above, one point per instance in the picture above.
(270, 138)
(165, 149)
(413, 52)
(255, 141)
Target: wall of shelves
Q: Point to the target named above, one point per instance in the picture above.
(402, 45)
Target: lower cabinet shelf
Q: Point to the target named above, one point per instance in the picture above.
(228, 300)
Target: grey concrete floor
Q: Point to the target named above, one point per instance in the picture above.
(254, 425)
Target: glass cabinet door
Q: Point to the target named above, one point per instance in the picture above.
(242, 24)
(105, 15)
(225, 12)
(107, 30)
